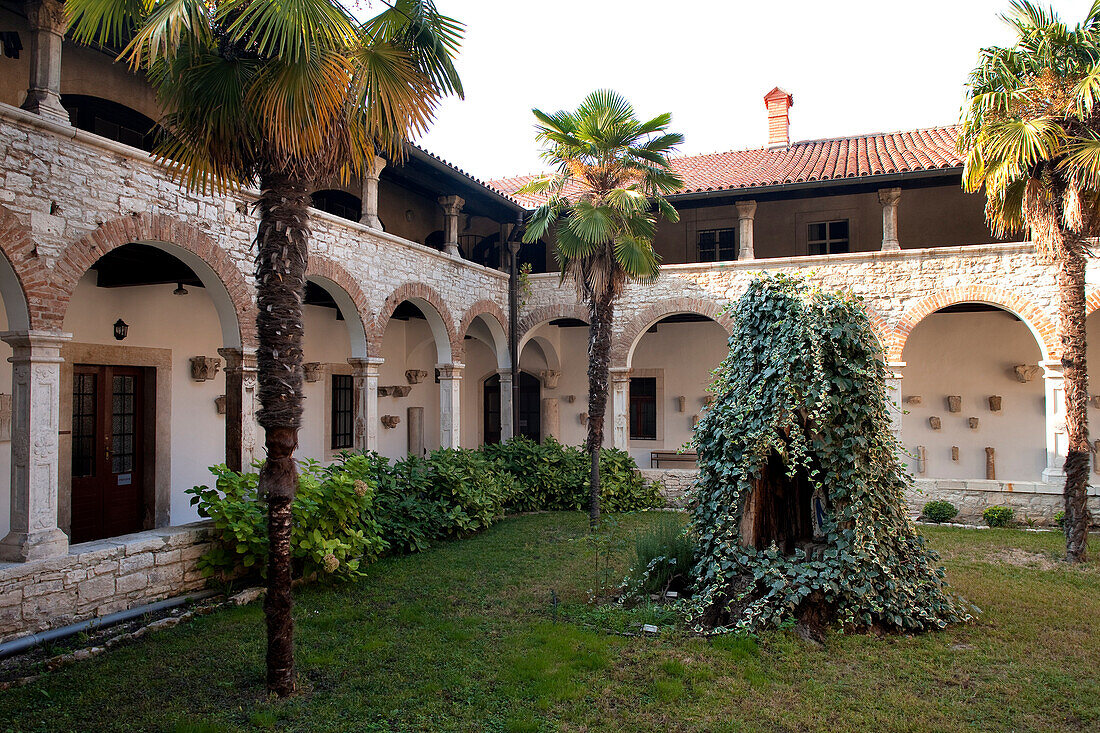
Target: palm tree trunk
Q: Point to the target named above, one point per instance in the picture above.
(1071, 292)
(280, 280)
(601, 309)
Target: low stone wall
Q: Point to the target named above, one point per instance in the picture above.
(1031, 500)
(675, 483)
(98, 578)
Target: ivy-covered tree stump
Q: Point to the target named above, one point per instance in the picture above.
(799, 510)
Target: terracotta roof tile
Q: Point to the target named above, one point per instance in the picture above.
(809, 160)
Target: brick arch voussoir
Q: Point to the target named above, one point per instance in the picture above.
(408, 291)
(31, 273)
(624, 339)
(480, 308)
(79, 256)
(319, 266)
(1092, 302)
(1036, 318)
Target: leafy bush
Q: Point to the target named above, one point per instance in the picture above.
(663, 558)
(363, 505)
(1060, 518)
(333, 530)
(998, 516)
(940, 511)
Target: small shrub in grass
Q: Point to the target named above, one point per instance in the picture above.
(622, 487)
(663, 557)
(333, 530)
(471, 489)
(998, 516)
(939, 511)
(1060, 519)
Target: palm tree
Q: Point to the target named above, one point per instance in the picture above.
(286, 93)
(1031, 137)
(612, 174)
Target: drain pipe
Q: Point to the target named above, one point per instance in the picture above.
(23, 643)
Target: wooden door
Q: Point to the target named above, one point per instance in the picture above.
(108, 472)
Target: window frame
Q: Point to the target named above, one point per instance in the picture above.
(331, 433)
(829, 240)
(717, 231)
(661, 410)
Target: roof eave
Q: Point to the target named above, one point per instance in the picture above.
(748, 191)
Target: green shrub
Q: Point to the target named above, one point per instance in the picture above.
(998, 516)
(471, 489)
(663, 558)
(550, 476)
(622, 487)
(333, 530)
(939, 511)
(1060, 518)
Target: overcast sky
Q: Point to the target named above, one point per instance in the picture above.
(853, 66)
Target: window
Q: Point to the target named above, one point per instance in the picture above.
(338, 203)
(643, 408)
(828, 237)
(110, 120)
(717, 245)
(342, 411)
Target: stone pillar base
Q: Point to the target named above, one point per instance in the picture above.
(452, 250)
(27, 546)
(47, 104)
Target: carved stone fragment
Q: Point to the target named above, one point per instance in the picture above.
(914, 399)
(990, 465)
(583, 417)
(550, 378)
(395, 390)
(934, 422)
(972, 422)
(995, 403)
(681, 401)
(1096, 456)
(954, 403)
(5, 417)
(313, 371)
(416, 376)
(204, 367)
(1094, 400)
(219, 404)
(390, 421)
(955, 453)
(922, 456)
(1026, 372)
(570, 398)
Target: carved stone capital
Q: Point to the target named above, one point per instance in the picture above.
(48, 16)
(452, 205)
(746, 209)
(889, 196)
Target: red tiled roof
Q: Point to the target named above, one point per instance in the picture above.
(809, 160)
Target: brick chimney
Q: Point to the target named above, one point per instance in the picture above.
(778, 102)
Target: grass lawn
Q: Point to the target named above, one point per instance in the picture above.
(464, 638)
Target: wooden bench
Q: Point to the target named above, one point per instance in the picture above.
(657, 457)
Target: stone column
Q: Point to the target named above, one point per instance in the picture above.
(1057, 440)
(364, 379)
(620, 407)
(240, 407)
(450, 416)
(452, 207)
(551, 417)
(370, 193)
(746, 212)
(507, 430)
(894, 398)
(35, 414)
(48, 23)
(889, 198)
(414, 416)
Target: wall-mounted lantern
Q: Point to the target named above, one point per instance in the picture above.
(121, 328)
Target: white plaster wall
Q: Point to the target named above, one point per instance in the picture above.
(326, 341)
(188, 325)
(481, 363)
(408, 345)
(972, 355)
(685, 354)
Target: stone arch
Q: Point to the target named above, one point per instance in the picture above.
(447, 343)
(546, 313)
(226, 286)
(1032, 316)
(22, 277)
(344, 289)
(493, 317)
(626, 340)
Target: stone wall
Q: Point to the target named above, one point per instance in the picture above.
(1037, 501)
(99, 578)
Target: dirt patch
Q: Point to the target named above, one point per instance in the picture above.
(1025, 559)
